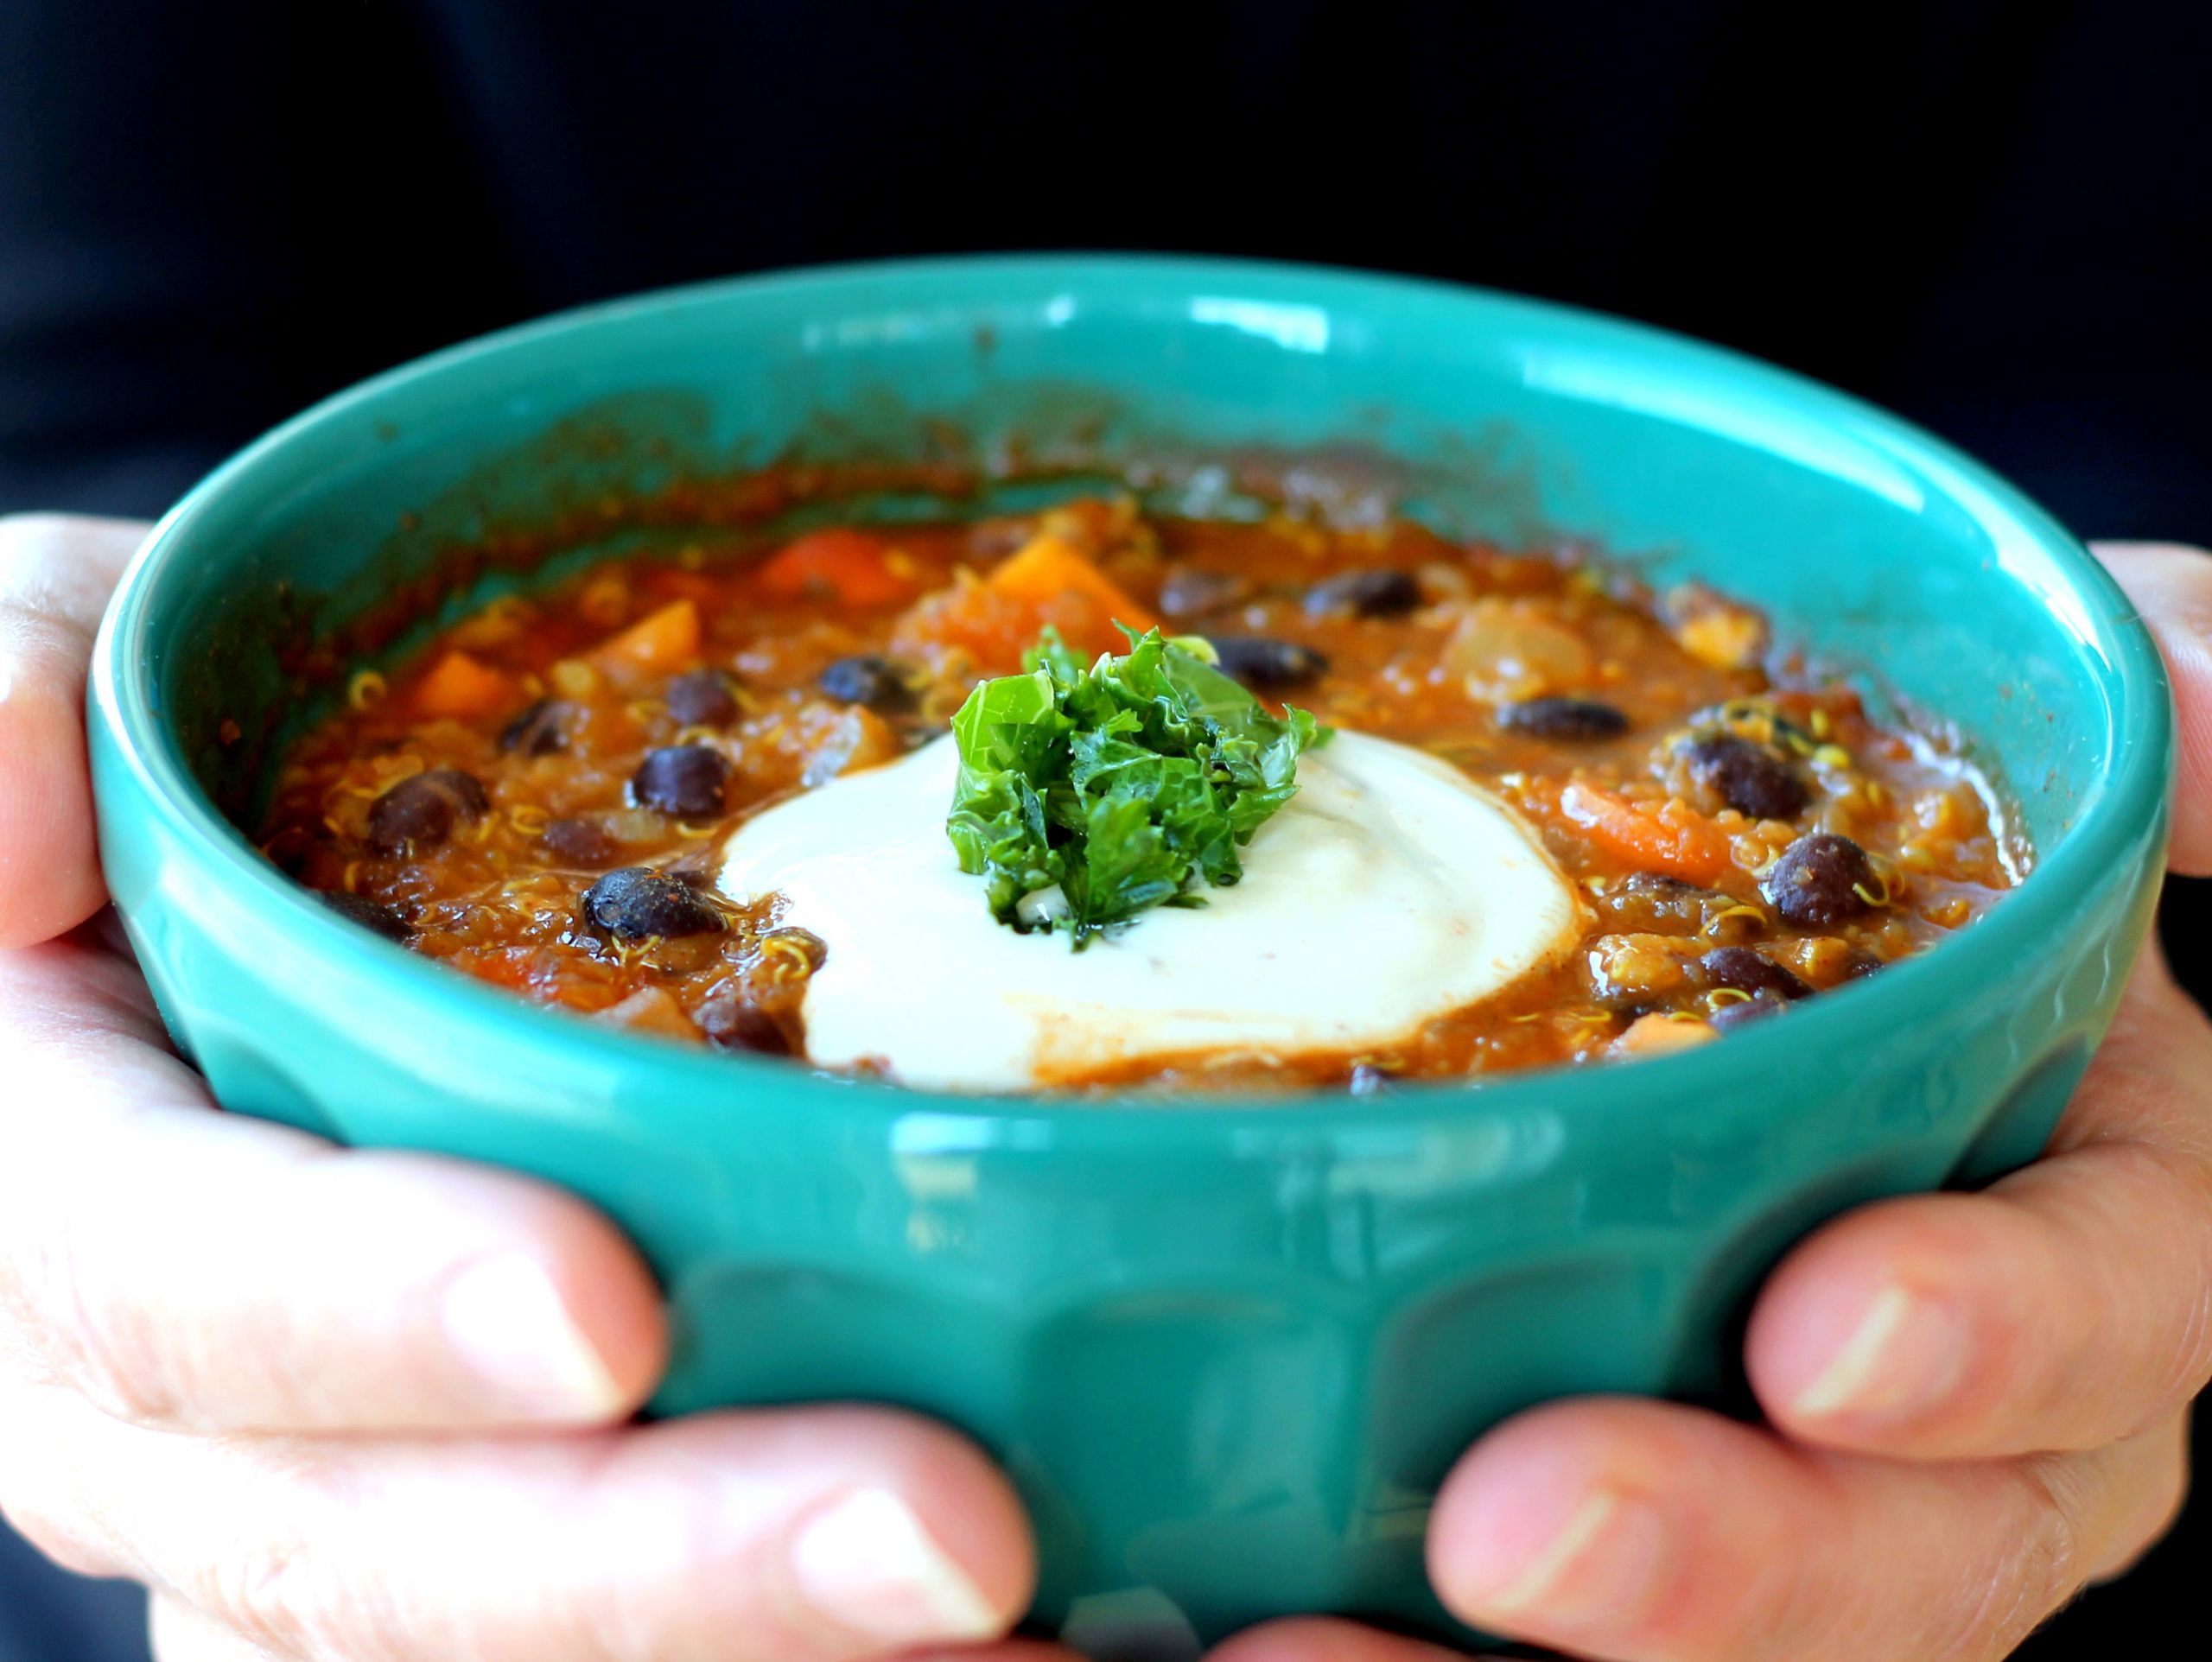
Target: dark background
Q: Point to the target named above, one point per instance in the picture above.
(1993, 215)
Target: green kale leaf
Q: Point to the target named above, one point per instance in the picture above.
(1088, 795)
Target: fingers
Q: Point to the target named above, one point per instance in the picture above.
(1637, 1531)
(2172, 585)
(192, 1270)
(55, 576)
(2063, 1308)
(811, 1536)
(1325, 1640)
(180, 1634)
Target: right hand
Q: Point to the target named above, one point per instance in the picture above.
(334, 1406)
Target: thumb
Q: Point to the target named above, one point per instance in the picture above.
(2172, 586)
(56, 573)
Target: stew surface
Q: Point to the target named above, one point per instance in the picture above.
(538, 799)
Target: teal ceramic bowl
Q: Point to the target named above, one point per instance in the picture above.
(1227, 1351)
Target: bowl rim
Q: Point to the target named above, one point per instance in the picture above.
(2123, 795)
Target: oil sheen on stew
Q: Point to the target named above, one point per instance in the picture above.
(1649, 833)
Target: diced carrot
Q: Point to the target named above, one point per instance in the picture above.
(1048, 568)
(1657, 1034)
(1675, 839)
(659, 643)
(463, 688)
(840, 564)
(1047, 582)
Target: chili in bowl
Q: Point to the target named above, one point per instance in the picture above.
(517, 758)
(1639, 840)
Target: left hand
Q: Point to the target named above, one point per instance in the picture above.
(400, 1433)
(1977, 1403)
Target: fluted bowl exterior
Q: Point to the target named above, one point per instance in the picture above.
(1227, 1350)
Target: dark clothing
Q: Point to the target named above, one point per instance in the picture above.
(45, 1617)
(1993, 215)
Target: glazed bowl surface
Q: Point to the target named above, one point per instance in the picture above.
(1226, 1349)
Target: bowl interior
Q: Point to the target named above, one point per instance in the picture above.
(1899, 560)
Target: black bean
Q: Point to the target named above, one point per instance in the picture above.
(1258, 661)
(1186, 591)
(730, 1024)
(1739, 1013)
(682, 780)
(538, 731)
(1750, 972)
(637, 902)
(1562, 718)
(868, 680)
(1372, 594)
(1818, 880)
(1749, 778)
(372, 915)
(705, 698)
(421, 811)
(579, 842)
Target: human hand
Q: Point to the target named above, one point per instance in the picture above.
(339, 1404)
(170, 1410)
(1978, 1402)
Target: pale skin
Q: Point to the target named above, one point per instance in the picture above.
(314, 1450)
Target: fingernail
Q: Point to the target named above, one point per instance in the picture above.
(1597, 1565)
(867, 1563)
(508, 1322)
(1906, 1353)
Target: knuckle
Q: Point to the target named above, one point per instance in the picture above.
(2037, 1568)
(60, 565)
(31, 621)
(2190, 1367)
(264, 1590)
(127, 1391)
(2150, 1194)
(97, 1348)
(2177, 1188)
(287, 1585)
(282, 1589)
(80, 1299)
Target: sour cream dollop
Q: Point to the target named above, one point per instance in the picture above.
(1389, 890)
